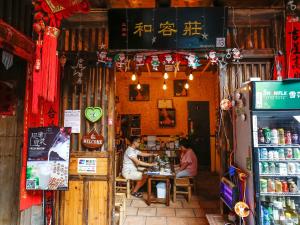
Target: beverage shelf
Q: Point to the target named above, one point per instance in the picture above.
(279, 160)
(279, 194)
(277, 146)
(279, 175)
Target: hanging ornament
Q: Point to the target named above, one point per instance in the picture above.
(139, 59)
(164, 86)
(236, 55)
(225, 104)
(167, 59)
(154, 61)
(121, 61)
(7, 59)
(193, 61)
(212, 56)
(109, 62)
(78, 71)
(102, 56)
(242, 209)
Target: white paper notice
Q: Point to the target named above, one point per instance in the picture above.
(72, 119)
(87, 165)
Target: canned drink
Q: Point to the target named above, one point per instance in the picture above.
(272, 168)
(285, 187)
(275, 154)
(263, 185)
(267, 135)
(288, 153)
(288, 137)
(295, 138)
(271, 185)
(281, 153)
(296, 153)
(265, 167)
(274, 136)
(281, 139)
(291, 168)
(263, 153)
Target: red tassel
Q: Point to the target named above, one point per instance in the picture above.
(49, 63)
(37, 86)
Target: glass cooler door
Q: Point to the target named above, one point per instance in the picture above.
(277, 166)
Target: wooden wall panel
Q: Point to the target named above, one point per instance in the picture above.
(97, 213)
(100, 170)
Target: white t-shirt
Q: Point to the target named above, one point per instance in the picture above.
(128, 164)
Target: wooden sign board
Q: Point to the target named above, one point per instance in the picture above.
(92, 140)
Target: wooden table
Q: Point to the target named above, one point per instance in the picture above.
(164, 178)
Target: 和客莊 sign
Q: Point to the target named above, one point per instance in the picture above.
(167, 28)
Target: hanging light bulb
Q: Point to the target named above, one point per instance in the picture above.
(133, 77)
(186, 86)
(191, 76)
(166, 75)
(164, 86)
(138, 86)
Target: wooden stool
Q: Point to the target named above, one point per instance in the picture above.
(193, 183)
(120, 206)
(183, 183)
(122, 185)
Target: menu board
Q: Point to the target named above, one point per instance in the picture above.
(48, 158)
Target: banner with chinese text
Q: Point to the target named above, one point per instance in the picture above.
(167, 28)
(293, 47)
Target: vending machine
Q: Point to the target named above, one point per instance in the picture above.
(266, 139)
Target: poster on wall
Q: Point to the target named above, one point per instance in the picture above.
(48, 158)
(72, 119)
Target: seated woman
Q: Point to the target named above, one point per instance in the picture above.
(130, 164)
(188, 160)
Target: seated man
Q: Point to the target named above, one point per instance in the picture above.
(188, 160)
(130, 164)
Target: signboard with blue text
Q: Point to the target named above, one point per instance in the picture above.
(167, 28)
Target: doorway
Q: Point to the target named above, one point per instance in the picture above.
(199, 131)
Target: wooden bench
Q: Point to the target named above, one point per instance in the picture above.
(182, 183)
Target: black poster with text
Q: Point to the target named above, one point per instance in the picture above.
(167, 28)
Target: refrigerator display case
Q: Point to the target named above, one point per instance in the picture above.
(267, 130)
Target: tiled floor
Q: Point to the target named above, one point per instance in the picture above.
(180, 212)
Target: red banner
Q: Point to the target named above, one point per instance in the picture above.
(48, 116)
(293, 47)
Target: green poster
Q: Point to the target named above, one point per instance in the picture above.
(276, 95)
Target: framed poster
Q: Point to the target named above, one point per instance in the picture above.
(179, 90)
(135, 132)
(48, 158)
(165, 104)
(166, 118)
(141, 94)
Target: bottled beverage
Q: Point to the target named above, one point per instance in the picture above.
(298, 168)
(288, 153)
(263, 185)
(261, 138)
(270, 155)
(263, 153)
(274, 137)
(281, 139)
(267, 135)
(285, 187)
(275, 154)
(278, 186)
(272, 168)
(265, 167)
(281, 153)
(271, 185)
(282, 168)
(294, 138)
(288, 137)
(291, 168)
(296, 153)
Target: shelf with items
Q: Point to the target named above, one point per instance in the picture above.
(279, 160)
(279, 175)
(287, 194)
(277, 146)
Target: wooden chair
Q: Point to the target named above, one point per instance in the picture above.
(120, 207)
(122, 185)
(193, 183)
(182, 183)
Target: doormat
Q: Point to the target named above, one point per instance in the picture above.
(216, 219)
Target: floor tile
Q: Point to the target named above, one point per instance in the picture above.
(131, 211)
(156, 221)
(176, 221)
(191, 204)
(199, 212)
(135, 220)
(185, 213)
(158, 205)
(196, 221)
(165, 212)
(138, 203)
(177, 204)
(128, 202)
(147, 212)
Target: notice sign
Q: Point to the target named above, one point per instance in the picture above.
(87, 165)
(72, 119)
(48, 158)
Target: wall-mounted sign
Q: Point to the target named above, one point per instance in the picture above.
(72, 119)
(92, 140)
(167, 28)
(48, 158)
(93, 114)
(87, 165)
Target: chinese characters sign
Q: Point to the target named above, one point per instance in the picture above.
(48, 158)
(167, 28)
(277, 95)
(293, 47)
